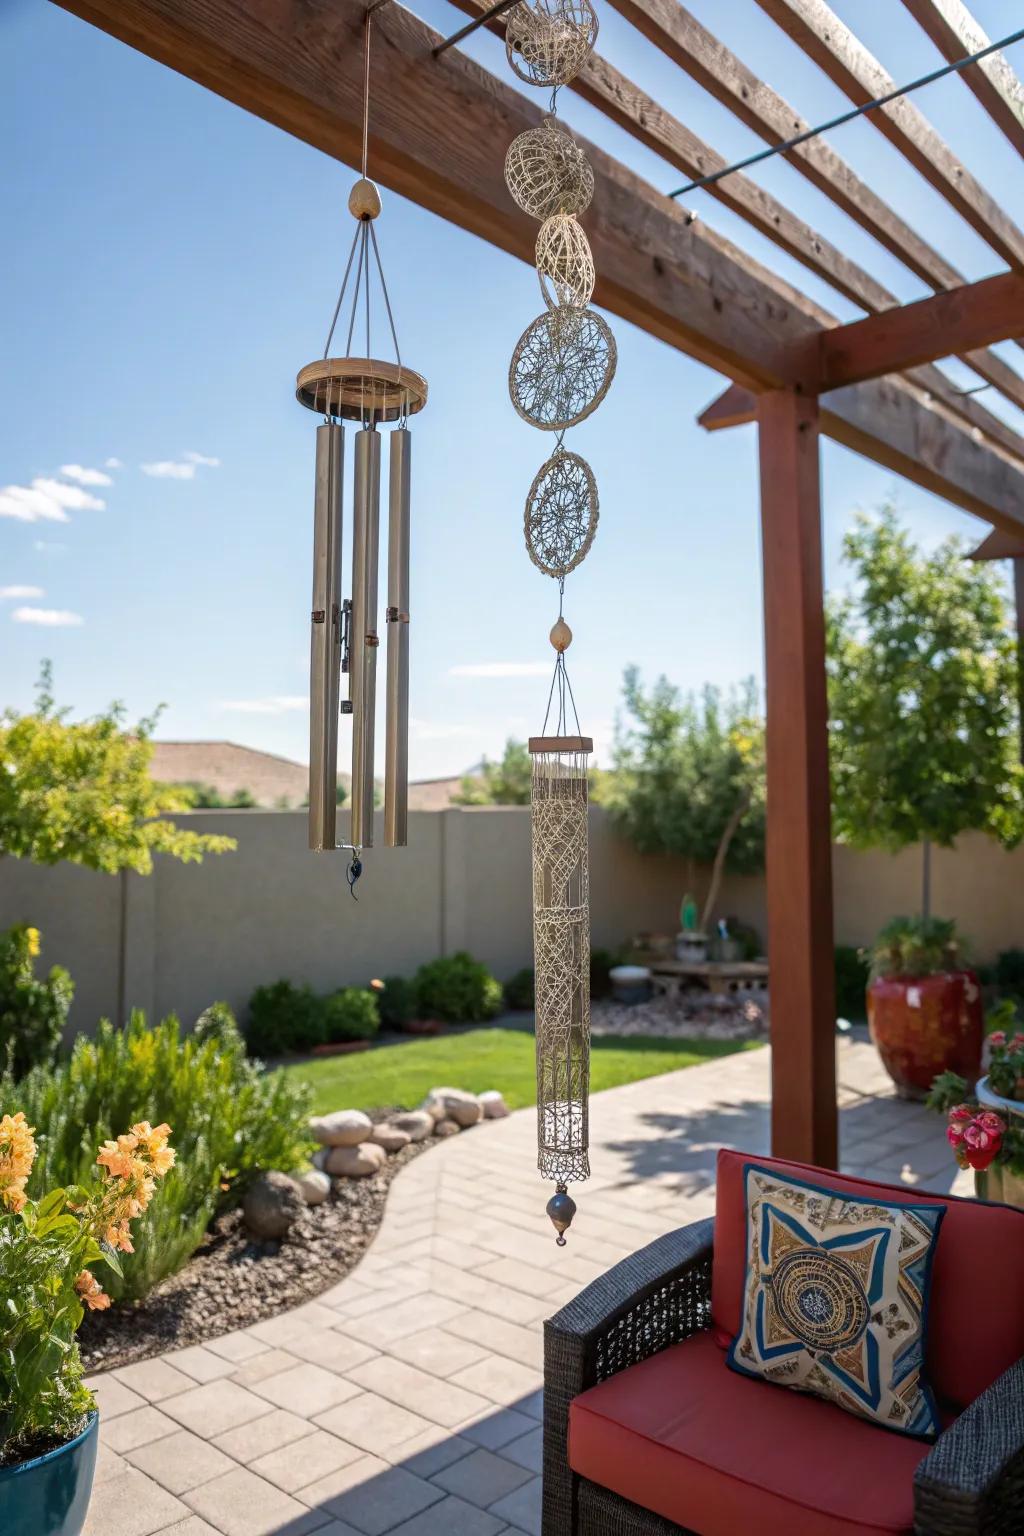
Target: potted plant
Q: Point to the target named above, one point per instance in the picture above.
(987, 1132)
(48, 1250)
(924, 1007)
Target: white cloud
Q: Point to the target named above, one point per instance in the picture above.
(50, 618)
(276, 704)
(46, 500)
(169, 469)
(502, 669)
(6, 592)
(112, 464)
(202, 458)
(85, 476)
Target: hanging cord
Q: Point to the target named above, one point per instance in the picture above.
(366, 87)
(384, 290)
(848, 117)
(341, 292)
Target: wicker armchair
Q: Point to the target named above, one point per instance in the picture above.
(970, 1483)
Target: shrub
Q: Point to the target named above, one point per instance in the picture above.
(602, 963)
(519, 990)
(853, 973)
(232, 1118)
(396, 1002)
(457, 989)
(282, 1018)
(351, 1014)
(216, 1023)
(46, 1280)
(32, 1012)
(1008, 973)
(916, 946)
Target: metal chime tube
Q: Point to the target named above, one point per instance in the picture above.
(364, 641)
(325, 638)
(396, 769)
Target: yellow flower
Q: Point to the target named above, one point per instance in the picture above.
(91, 1292)
(17, 1154)
(32, 941)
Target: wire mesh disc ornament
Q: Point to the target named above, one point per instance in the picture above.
(548, 42)
(562, 368)
(561, 514)
(564, 263)
(547, 172)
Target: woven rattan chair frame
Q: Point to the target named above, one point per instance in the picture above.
(971, 1482)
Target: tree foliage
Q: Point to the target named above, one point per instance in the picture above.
(922, 689)
(81, 791)
(503, 783)
(682, 767)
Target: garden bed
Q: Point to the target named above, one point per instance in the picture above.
(693, 1014)
(232, 1281)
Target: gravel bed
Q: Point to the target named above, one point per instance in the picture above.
(232, 1281)
(693, 1014)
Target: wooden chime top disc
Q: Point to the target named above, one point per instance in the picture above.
(542, 744)
(360, 389)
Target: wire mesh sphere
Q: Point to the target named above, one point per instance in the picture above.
(565, 265)
(548, 42)
(561, 514)
(547, 172)
(561, 369)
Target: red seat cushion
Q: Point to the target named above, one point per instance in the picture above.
(974, 1331)
(720, 1454)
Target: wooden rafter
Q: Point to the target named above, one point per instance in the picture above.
(956, 34)
(435, 128)
(696, 50)
(823, 37)
(624, 103)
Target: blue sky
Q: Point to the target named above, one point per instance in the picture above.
(168, 262)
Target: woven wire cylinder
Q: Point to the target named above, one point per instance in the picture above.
(561, 949)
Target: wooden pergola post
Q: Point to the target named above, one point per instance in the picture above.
(799, 847)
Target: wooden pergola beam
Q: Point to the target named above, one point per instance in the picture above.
(818, 31)
(884, 422)
(956, 34)
(434, 132)
(946, 323)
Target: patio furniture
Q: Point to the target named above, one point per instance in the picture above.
(719, 976)
(647, 1432)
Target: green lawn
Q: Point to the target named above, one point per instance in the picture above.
(403, 1072)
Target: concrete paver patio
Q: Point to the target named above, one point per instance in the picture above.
(407, 1399)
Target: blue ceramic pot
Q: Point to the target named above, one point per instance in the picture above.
(49, 1496)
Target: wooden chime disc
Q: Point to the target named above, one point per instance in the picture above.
(360, 389)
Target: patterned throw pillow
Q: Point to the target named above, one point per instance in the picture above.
(836, 1298)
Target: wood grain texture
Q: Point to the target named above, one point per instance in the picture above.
(993, 80)
(799, 848)
(816, 29)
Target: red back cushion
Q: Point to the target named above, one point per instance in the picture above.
(975, 1315)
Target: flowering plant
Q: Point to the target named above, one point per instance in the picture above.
(976, 1135)
(48, 1251)
(981, 1136)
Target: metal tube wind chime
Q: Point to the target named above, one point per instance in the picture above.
(344, 638)
(561, 370)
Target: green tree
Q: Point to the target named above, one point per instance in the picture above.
(503, 783)
(922, 689)
(206, 797)
(81, 791)
(688, 776)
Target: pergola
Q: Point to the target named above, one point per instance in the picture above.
(439, 130)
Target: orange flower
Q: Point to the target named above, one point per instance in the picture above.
(17, 1154)
(159, 1155)
(91, 1292)
(117, 1157)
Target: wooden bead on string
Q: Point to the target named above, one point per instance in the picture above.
(560, 636)
(364, 200)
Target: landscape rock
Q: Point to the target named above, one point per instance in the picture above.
(454, 1104)
(320, 1158)
(271, 1204)
(356, 1162)
(390, 1137)
(314, 1186)
(447, 1128)
(418, 1124)
(493, 1104)
(343, 1128)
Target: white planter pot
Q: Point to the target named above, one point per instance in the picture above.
(997, 1182)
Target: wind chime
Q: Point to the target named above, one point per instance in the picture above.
(344, 637)
(561, 370)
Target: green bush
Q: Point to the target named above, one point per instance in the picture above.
(602, 963)
(351, 1014)
(283, 1018)
(32, 1012)
(458, 990)
(1008, 973)
(228, 1119)
(853, 972)
(916, 946)
(397, 1002)
(519, 989)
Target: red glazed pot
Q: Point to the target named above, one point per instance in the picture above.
(924, 1025)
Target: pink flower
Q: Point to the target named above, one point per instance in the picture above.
(991, 1122)
(961, 1112)
(976, 1135)
(954, 1135)
(1017, 1041)
(997, 1039)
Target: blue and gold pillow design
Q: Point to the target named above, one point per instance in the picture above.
(836, 1298)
